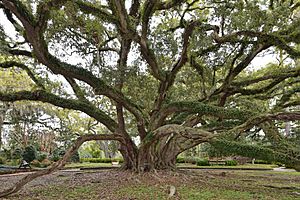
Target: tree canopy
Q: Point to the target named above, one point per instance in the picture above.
(161, 76)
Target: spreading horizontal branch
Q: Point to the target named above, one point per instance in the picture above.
(282, 116)
(43, 96)
(195, 107)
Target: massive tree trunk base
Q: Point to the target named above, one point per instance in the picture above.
(141, 165)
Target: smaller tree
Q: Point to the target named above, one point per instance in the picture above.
(29, 154)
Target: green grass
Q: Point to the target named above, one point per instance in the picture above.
(87, 165)
(247, 166)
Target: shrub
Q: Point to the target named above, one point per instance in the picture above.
(14, 162)
(191, 160)
(17, 153)
(261, 162)
(203, 162)
(60, 152)
(41, 156)
(231, 163)
(46, 163)
(36, 163)
(75, 157)
(29, 154)
(2, 160)
(180, 160)
(57, 154)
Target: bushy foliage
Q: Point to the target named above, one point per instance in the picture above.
(41, 156)
(231, 163)
(60, 152)
(46, 163)
(203, 162)
(2, 160)
(180, 160)
(17, 153)
(57, 154)
(29, 154)
(191, 160)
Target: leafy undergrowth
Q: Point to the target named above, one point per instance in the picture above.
(189, 184)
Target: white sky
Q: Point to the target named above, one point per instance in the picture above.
(258, 62)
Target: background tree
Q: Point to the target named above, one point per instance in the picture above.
(160, 76)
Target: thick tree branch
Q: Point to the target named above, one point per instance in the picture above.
(282, 74)
(254, 121)
(43, 96)
(99, 11)
(200, 108)
(17, 52)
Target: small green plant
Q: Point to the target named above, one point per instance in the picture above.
(17, 153)
(41, 156)
(203, 162)
(231, 163)
(180, 160)
(2, 160)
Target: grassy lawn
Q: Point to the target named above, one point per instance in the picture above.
(247, 166)
(189, 184)
(87, 165)
(182, 165)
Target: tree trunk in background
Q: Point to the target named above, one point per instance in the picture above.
(3, 110)
(1, 125)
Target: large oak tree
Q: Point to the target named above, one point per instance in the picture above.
(174, 73)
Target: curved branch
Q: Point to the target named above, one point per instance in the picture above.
(282, 116)
(43, 96)
(18, 52)
(10, 64)
(278, 39)
(76, 88)
(283, 74)
(59, 164)
(202, 109)
(91, 8)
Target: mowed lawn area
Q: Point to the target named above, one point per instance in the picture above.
(189, 184)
